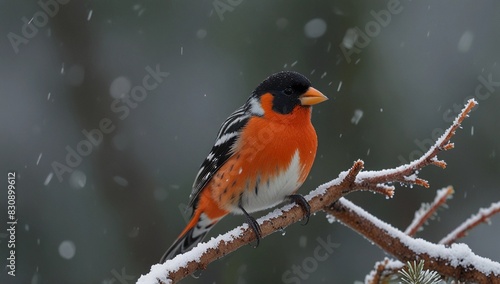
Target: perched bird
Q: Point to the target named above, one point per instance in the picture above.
(262, 155)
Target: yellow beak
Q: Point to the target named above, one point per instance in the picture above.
(312, 97)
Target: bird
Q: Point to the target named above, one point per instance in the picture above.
(262, 154)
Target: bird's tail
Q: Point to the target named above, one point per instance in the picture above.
(195, 231)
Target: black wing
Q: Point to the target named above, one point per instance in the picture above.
(221, 151)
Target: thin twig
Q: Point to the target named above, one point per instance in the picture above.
(482, 216)
(428, 210)
(377, 274)
(382, 270)
(408, 174)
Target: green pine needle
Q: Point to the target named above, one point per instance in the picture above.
(415, 274)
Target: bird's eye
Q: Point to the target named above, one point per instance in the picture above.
(288, 91)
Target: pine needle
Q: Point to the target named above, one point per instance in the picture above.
(415, 274)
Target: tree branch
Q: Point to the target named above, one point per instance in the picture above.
(383, 269)
(353, 180)
(389, 267)
(457, 261)
(427, 210)
(483, 215)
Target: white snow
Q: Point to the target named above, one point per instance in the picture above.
(424, 208)
(67, 249)
(140, 10)
(119, 87)
(175, 186)
(48, 178)
(201, 33)
(161, 271)
(315, 28)
(412, 165)
(358, 114)
(418, 216)
(350, 38)
(38, 160)
(120, 181)
(320, 190)
(394, 264)
(457, 254)
(89, 16)
(77, 179)
(465, 41)
(390, 264)
(370, 174)
(340, 86)
(330, 218)
(473, 219)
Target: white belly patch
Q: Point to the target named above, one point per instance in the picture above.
(271, 192)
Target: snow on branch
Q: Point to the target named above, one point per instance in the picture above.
(383, 269)
(427, 210)
(319, 199)
(388, 266)
(457, 261)
(483, 215)
(408, 173)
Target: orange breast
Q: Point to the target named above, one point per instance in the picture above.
(263, 152)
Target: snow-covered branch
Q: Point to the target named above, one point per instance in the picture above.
(427, 210)
(483, 215)
(382, 269)
(319, 199)
(388, 266)
(457, 261)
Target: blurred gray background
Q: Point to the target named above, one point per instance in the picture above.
(396, 72)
